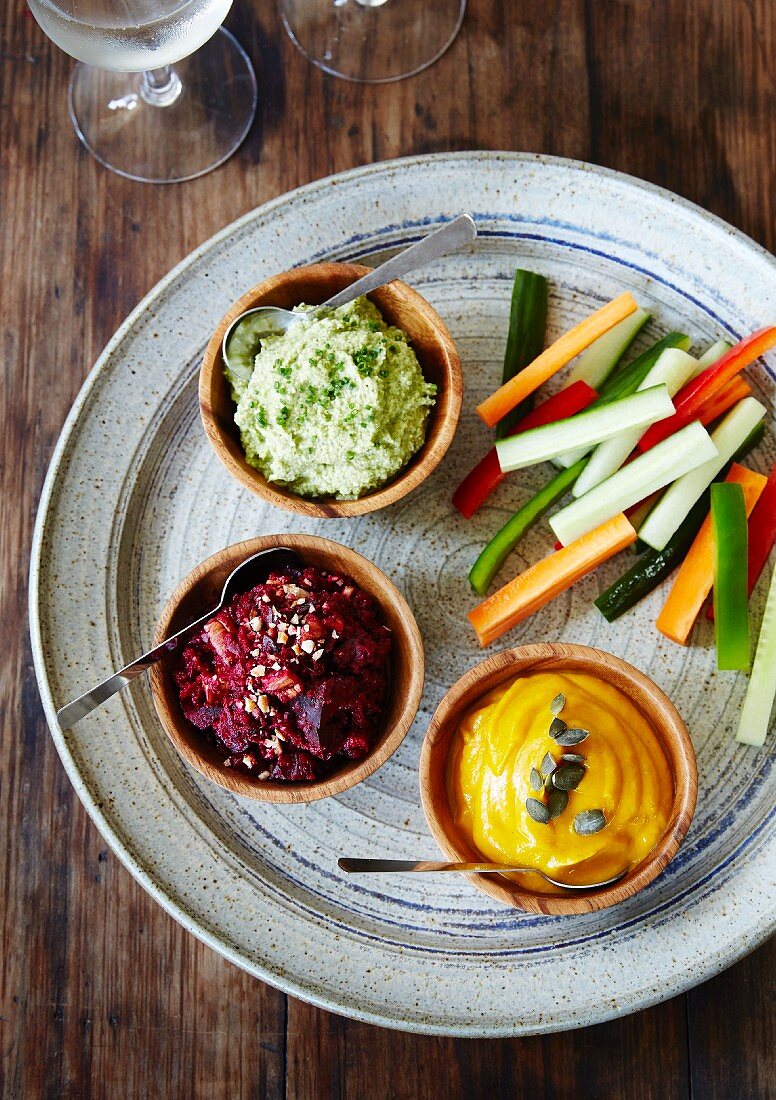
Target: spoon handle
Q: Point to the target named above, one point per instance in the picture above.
(455, 234)
(401, 866)
(78, 708)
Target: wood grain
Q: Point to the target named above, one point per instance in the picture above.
(101, 993)
(399, 305)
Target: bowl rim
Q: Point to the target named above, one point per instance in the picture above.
(509, 663)
(423, 463)
(401, 615)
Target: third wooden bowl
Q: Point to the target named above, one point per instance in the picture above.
(400, 305)
(201, 590)
(653, 703)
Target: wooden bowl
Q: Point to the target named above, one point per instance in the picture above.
(656, 707)
(400, 306)
(201, 590)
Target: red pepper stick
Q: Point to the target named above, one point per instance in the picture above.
(719, 403)
(477, 486)
(698, 390)
(762, 534)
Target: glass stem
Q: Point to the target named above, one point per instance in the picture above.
(160, 87)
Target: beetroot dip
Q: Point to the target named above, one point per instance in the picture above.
(289, 679)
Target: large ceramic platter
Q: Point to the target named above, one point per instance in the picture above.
(135, 498)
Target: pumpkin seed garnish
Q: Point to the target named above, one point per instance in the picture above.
(537, 810)
(572, 736)
(548, 781)
(574, 757)
(558, 703)
(557, 803)
(589, 821)
(567, 777)
(535, 780)
(548, 764)
(557, 726)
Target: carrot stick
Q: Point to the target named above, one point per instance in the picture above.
(557, 355)
(695, 577)
(544, 580)
(719, 403)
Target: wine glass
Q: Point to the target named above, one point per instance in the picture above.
(142, 101)
(372, 41)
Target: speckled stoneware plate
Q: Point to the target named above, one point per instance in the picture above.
(135, 497)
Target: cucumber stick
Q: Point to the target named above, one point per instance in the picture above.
(525, 339)
(712, 354)
(625, 382)
(654, 565)
(673, 369)
(761, 690)
(681, 452)
(677, 501)
(586, 428)
(596, 364)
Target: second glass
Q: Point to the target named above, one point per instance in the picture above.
(372, 41)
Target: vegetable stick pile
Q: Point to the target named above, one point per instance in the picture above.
(651, 450)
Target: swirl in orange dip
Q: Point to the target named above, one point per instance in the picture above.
(627, 776)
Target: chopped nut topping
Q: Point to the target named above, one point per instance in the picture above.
(255, 624)
(295, 619)
(317, 655)
(250, 706)
(297, 649)
(263, 704)
(282, 637)
(257, 670)
(308, 645)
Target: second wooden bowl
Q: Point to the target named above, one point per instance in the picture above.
(201, 590)
(656, 707)
(400, 306)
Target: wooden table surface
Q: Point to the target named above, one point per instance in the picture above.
(101, 993)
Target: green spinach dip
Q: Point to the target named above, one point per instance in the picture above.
(335, 406)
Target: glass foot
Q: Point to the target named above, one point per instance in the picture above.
(372, 41)
(168, 129)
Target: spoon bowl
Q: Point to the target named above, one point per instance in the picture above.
(272, 320)
(244, 576)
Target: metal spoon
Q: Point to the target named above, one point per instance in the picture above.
(243, 577)
(270, 320)
(393, 866)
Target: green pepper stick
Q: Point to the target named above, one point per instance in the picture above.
(731, 599)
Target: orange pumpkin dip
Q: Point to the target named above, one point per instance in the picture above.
(499, 762)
